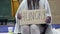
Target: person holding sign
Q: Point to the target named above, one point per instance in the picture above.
(33, 28)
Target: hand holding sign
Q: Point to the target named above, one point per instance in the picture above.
(19, 16)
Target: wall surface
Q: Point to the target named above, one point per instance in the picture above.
(55, 8)
(5, 8)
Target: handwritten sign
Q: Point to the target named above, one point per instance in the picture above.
(32, 17)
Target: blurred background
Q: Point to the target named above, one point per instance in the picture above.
(8, 10)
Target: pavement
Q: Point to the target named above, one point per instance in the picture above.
(4, 29)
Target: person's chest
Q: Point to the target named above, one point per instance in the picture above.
(32, 5)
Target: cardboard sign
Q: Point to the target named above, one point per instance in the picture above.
(32, 17)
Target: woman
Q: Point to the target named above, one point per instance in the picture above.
(33, 29)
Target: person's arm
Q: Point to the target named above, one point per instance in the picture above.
(18, 15)
(48, 12)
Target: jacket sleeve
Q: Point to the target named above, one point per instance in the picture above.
(17, 28)
(47, 7)
(19, 9)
